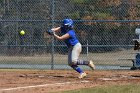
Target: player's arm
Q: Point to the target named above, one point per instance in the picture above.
(63, 37)
(53, 30)
(57, 29)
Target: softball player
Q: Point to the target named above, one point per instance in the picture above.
(74, 46)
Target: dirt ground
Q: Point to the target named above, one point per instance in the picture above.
(45, 81)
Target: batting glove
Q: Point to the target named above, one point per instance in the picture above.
(50, 32)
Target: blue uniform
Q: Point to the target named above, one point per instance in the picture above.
(74, 47)
(72, 40)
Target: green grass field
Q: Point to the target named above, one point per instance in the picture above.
(109, 89)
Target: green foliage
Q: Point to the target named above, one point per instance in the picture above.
(78, 1)
(91, 8)
(85, 1)
(1, 1)
(75, 15)
(100, 15)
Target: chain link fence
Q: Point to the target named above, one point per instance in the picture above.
(105, 29)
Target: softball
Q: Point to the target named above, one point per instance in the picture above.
(22, 32)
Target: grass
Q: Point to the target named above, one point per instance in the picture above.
(109, 89)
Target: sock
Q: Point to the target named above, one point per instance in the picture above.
(82, 62)
(78, 69)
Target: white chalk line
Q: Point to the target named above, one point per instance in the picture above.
(44, 85)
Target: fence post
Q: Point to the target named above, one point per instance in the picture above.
(87, 50)
(52, 46)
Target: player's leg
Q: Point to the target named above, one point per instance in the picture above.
(74, 66)
(75, 57)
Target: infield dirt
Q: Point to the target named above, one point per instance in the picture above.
(45, 81)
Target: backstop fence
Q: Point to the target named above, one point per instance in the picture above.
(106, 30)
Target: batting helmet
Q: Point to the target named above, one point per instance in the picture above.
(68, 23)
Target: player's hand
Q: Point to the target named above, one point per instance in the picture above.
(50, 32)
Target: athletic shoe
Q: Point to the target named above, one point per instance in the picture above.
(91, 65)
(82, 75)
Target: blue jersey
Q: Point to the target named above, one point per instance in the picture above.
(72, 40)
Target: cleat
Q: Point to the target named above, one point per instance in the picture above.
(91, 65)
(82, 75)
